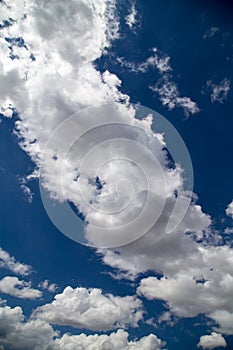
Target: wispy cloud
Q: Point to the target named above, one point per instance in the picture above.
(218, 92)
(131, 18)
(156, 60)
(10, 263)
(170, 96)
(210, 32)
(166, 88)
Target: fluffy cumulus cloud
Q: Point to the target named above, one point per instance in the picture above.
(10, 263)
(196, 274)
(114, 341)
(212, 341)
(36, 334)
(16, 334)
(91, 309)
(18, 288)
(229, 209)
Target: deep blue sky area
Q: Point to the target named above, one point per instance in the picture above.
(175, 28)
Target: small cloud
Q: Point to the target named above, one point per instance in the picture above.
(169, 96)
(228, 231)
(212, 341)
(218, 92)
(18, 288)
(210, 32)
(229, 210)
(131, 18)
(157, 60)
(9, 262)
(45, 285)
(27, 192)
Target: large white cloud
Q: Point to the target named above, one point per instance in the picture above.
(91, 309)
(18, 334)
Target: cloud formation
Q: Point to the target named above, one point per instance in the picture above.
(131, 18)
(18, 288)
(218, 92)
(229, 209)
(212, 341)
(10, 263)
(36, 334)
(91, 309)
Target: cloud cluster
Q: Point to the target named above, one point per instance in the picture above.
(36, 334)
(16, 334)
(46, 285)
(48, 72)
(91, 309)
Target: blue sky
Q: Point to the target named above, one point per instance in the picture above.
(60, 64)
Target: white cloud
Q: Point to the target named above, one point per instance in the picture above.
(229, 210)
(166, 89)
(131, 18)
(228, 230)
(63, 79)
(159, 251)
(157, 60)
(210, 32)
(46, 285)
(9, 262)
(170, 96)
(18, 288)
(18, 334)
(28, 193)
(203, 284)
(114, 341)
(218, 92)
(212, 341)
(91, 309)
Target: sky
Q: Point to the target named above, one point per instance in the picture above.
(116, 175)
